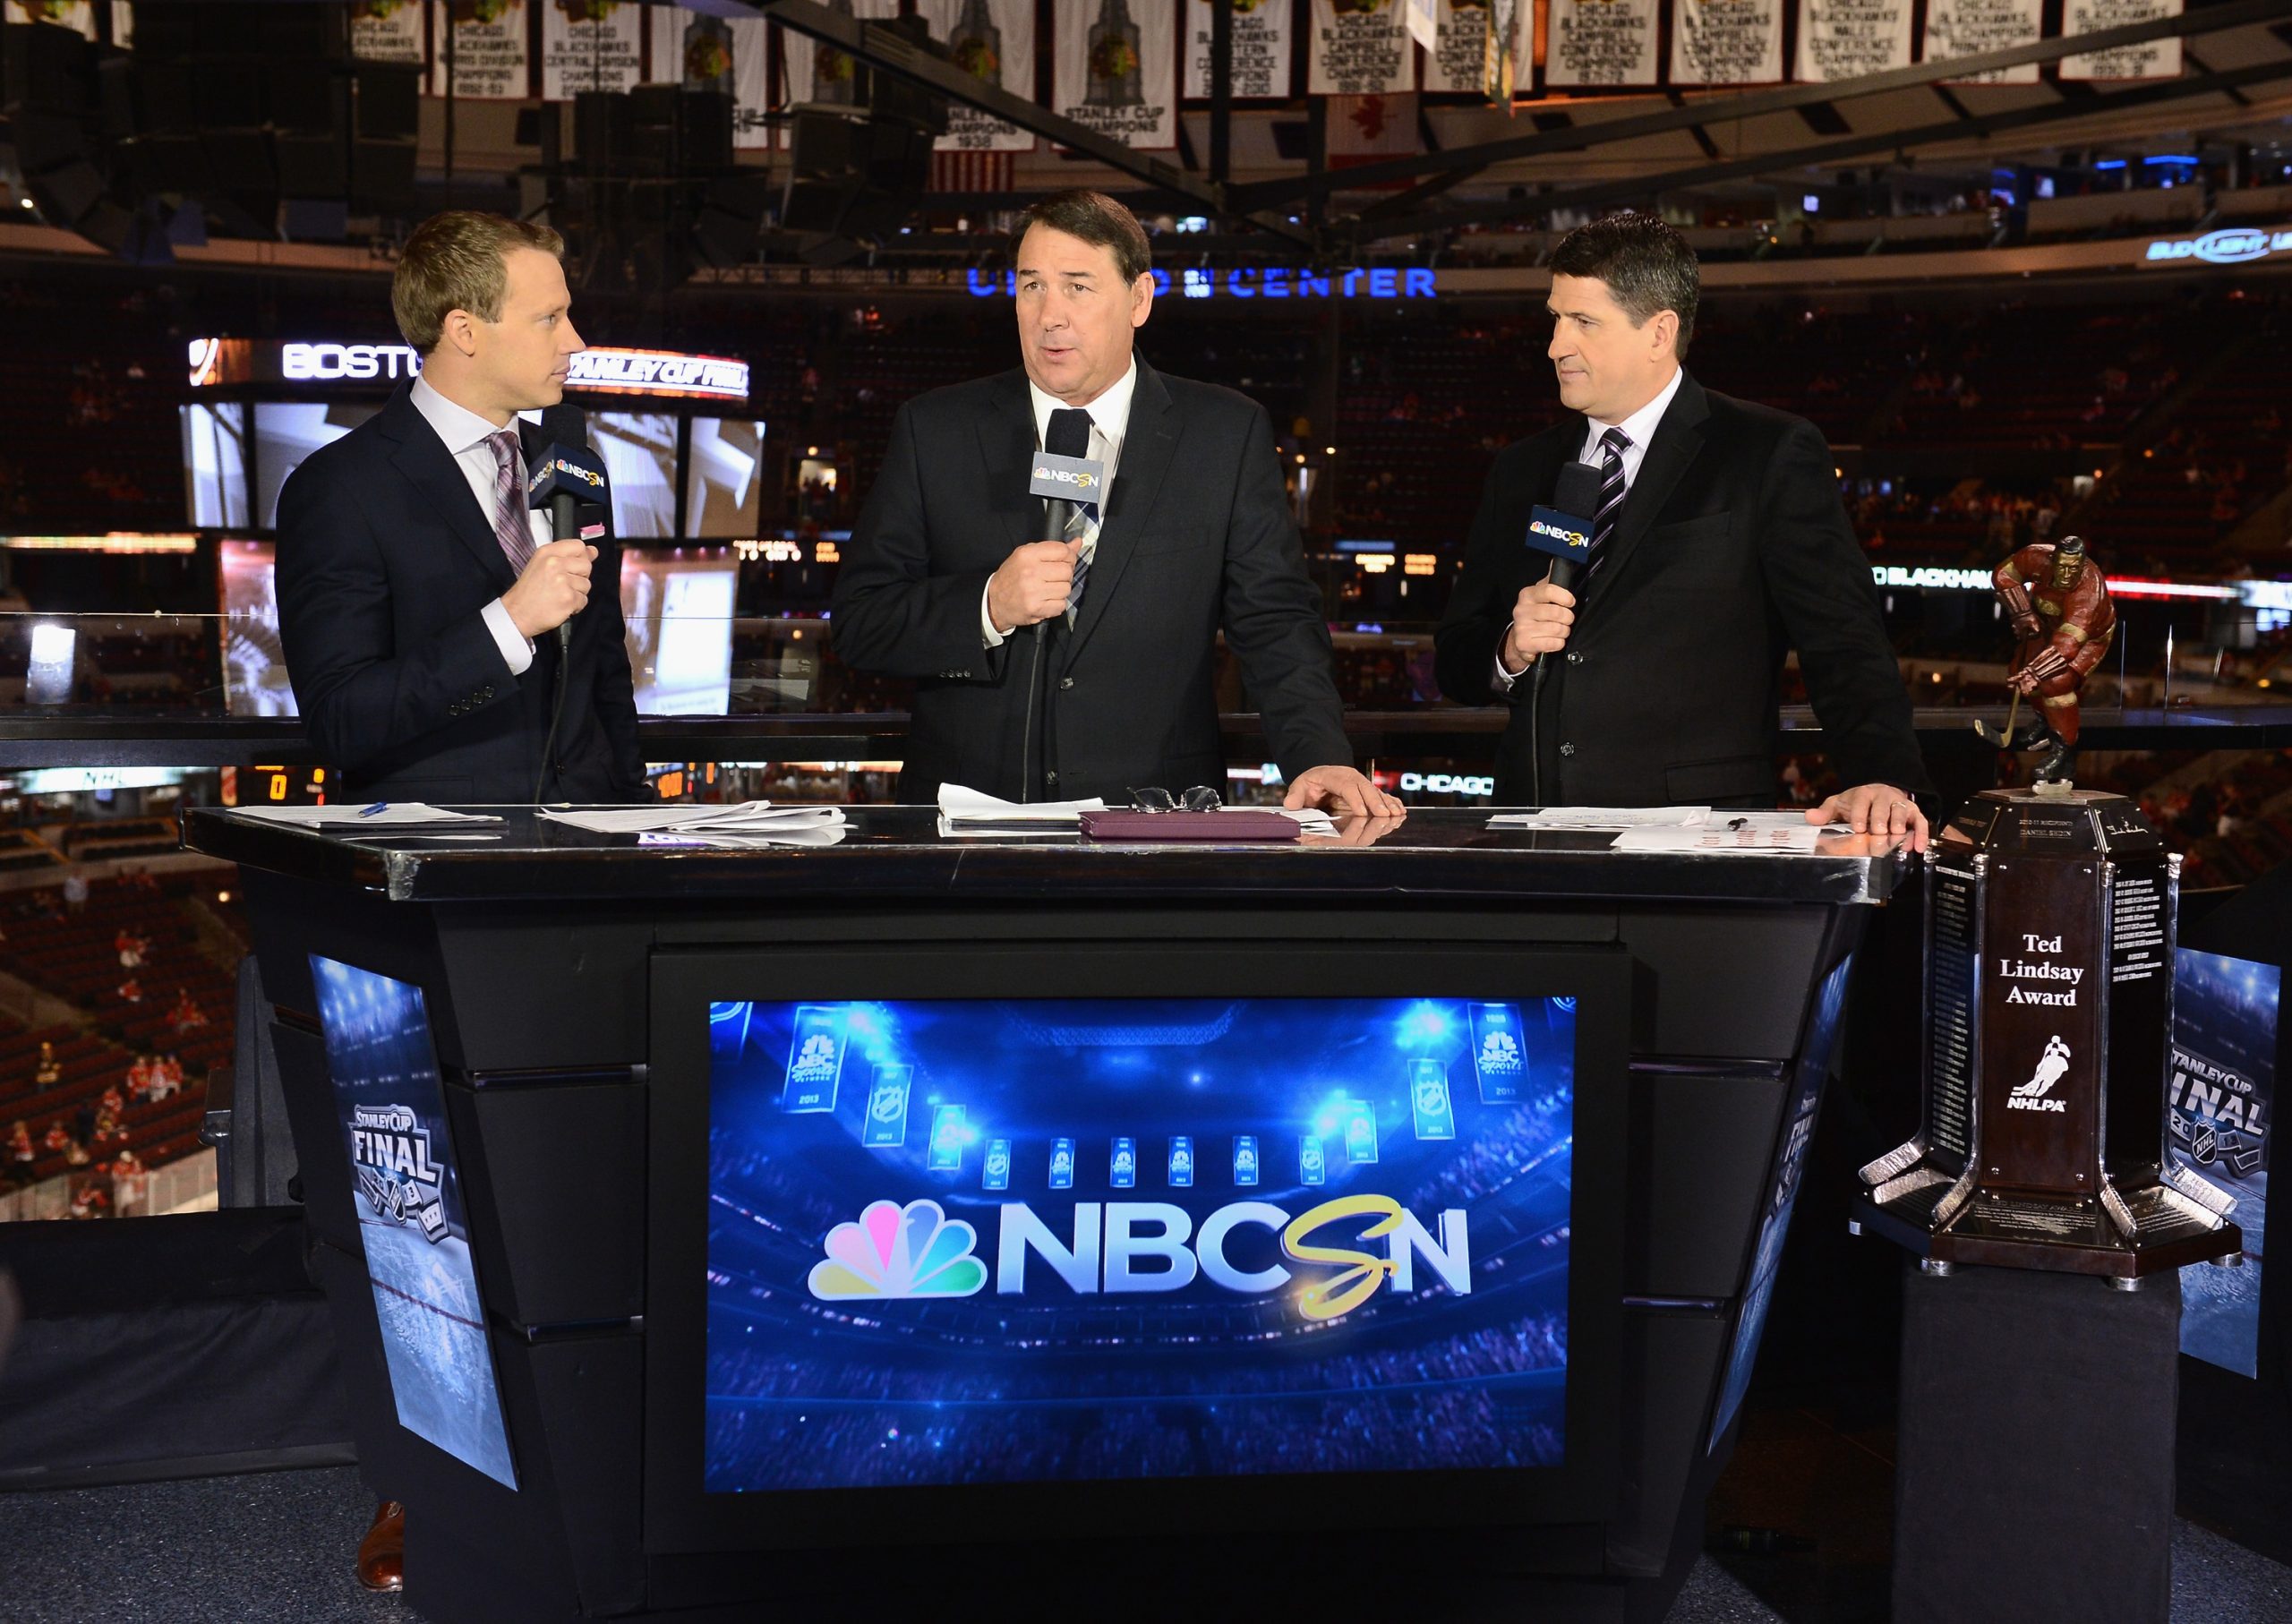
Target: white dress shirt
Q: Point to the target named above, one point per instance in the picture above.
(466, 433)
(1639, 428)
(1109, 420)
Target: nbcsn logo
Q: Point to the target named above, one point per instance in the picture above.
(900, 1251)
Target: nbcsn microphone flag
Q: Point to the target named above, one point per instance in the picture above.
(1017, 1241)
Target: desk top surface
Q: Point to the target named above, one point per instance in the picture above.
(897, 852)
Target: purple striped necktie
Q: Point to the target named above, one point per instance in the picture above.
(510, 526)
(1614, 443)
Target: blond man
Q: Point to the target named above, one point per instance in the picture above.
(417, 592)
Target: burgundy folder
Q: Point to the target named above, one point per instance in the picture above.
(1237, 825)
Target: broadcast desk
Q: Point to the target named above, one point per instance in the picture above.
(565, 1107)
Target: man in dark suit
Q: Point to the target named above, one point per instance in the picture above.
(1084, 665)
(1719, 544)
(418, 596)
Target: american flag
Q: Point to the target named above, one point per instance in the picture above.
(971, 171)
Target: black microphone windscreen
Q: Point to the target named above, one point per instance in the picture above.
(1069, 434)
(1577, 492)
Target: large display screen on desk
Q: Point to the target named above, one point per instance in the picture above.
(1033, 1240)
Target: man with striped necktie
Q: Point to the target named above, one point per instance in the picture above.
(417, 592)
(1718, 546)
(1054, 667)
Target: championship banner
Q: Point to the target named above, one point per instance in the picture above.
(591, 44)
(1968, 27)
(1727, 42)
(818, 73)
(993, 42)
(386, 31)
(751, 84)
(78, 15)
(1849, 38)
(1360, 47)
(1261, 48)
(706, 53)
(2150, 59)
(1601, 42)
(491, 62)
(1460, 60)
(1116, 70)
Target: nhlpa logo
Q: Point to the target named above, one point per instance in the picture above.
(391, 1155)
(2031, 1095)
(913, 1250)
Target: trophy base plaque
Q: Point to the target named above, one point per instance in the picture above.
(2047, 1026)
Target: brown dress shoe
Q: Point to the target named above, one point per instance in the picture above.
(382, 1554)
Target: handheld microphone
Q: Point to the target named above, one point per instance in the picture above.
(1064, 475)
(560, 479)
(1557, 533)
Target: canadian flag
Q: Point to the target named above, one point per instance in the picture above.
(1367, 129)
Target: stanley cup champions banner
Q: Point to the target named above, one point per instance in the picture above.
(1116, 70)
(993, 40)
(821, 74)
(489, 49)
(706, 53)
(1969, 27)
(1361, 47)
(1849, 38)
(1260, 46)
(1601, 42)
(1726, 41)
(2150, 59)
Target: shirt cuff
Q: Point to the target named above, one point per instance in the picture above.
(517, 648)
(987, 635)
(1501, 680)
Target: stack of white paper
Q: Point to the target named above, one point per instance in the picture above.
(752, 821)
(392, 814)
(1603, 818)
(1311, 820)
(1753, 832)
(969, 812)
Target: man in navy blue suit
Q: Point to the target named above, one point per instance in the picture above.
(418, 595)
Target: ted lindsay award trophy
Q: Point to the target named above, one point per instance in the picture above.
(2048, 1009)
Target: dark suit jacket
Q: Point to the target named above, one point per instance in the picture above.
(1732, 549)
(1197, 537)
(386, 564)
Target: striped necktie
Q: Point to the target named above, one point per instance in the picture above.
(510, 526)
(1614, 443)
(1083, 527)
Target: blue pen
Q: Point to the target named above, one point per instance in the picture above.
(380, 806)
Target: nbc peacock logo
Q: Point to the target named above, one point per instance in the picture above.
(915, 1251)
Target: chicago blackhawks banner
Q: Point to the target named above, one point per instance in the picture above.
(1361, 47)
(491, 62)
(816, 73)
(1116, 70)
(591, 44)
(2150, 59)
(386, 31)
(1847, 38)
(1261, 48)
(1726, 41)
(1968, 27)
(1601, 42)
(994, 41)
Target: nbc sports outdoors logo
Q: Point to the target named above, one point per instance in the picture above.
(913, 1250)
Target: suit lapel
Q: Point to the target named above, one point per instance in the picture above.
(1679, 438)
(1149, 442)
(423, 457)
(1006, 449)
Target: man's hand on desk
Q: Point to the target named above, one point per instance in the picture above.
(1032, 585)
(552, 588)
(1337, 791)
(1356, 832)
(1874, 809)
